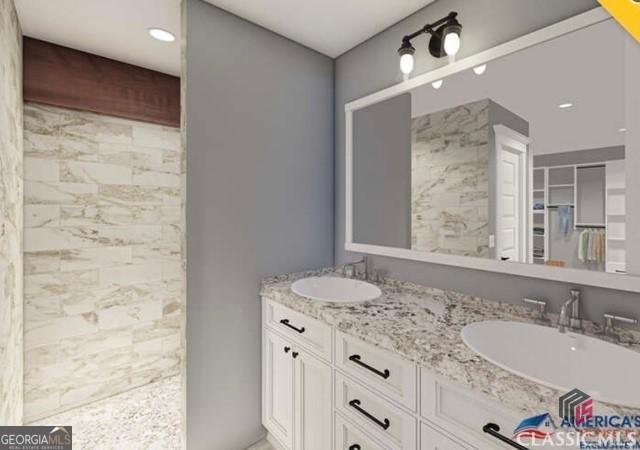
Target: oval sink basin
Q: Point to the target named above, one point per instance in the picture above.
(334, 289)
(607, 372)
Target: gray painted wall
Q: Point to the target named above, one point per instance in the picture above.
(382, 173)
(260, 202)
(591, 155)
(373, 65)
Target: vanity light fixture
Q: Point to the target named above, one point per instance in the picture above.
(445, 40)
(437, 84)
(162, 35)
(565, 105)
(406, 53)
(479, 70)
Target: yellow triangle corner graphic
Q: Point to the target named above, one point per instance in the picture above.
(627, 13)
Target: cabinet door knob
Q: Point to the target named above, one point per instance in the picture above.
(354, 447)
(286, 349)
(294, 354)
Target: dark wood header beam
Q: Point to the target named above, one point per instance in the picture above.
(61, 76)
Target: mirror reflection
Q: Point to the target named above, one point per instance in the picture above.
(521, 159)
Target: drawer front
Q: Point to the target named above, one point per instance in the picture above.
(432, 439)
(379, 369)
(314, 335)
(378, 417)
(350, 437)
(464, 414)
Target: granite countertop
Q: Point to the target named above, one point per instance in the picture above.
(423, 325)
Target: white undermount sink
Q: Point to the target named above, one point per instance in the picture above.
(337, 290)
(607, 372)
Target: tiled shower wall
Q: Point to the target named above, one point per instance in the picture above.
(104, 265)
(450, 181)
(10, 216)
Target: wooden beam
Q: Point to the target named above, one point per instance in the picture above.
(61, 76)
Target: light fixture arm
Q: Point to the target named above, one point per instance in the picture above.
(430, 28)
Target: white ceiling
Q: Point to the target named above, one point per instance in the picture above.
(115, 29)
(585, 68)
(329, 26)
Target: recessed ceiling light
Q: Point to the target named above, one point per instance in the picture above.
(162, 35)
(437, 84)
(565, 105)
(479, 70)
(622, 130)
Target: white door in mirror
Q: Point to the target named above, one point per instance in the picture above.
(562, 361)
(335, 289)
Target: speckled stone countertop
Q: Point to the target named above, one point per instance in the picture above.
(423, 325)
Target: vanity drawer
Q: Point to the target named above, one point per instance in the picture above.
(384, 421)
(310, 333)
(379, 369)
(351, 437)
(432, 439)
(463, 414)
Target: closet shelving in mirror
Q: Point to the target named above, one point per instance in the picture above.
(615, 218)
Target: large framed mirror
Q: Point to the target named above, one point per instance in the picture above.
(520, 159)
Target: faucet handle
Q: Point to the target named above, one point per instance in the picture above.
(609, 321)
(610, 318)
(541, 307)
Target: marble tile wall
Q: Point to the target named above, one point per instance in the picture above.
(104, 263)
(450, 181)
(11, 233)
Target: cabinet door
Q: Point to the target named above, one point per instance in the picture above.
(434, 440)
(277, 408)
(313, 397)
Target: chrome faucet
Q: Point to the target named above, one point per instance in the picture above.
(349, 269)
(571, 321)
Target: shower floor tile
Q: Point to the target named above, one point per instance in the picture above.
(148, 417)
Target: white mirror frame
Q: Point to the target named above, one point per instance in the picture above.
(583, 277)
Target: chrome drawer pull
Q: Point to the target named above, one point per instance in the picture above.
(286, 323)
(384, 424)
(493, 429)
(356, 359)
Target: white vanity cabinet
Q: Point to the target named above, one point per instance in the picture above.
(313, 411)
(432, 439)
(324, 389)
(277, 392)
(297, 388)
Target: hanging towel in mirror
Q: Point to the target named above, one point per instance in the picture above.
(564, 215)
(583, 242)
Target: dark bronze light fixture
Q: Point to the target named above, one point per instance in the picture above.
(445, 40)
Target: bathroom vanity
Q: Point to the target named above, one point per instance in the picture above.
(394, 372)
